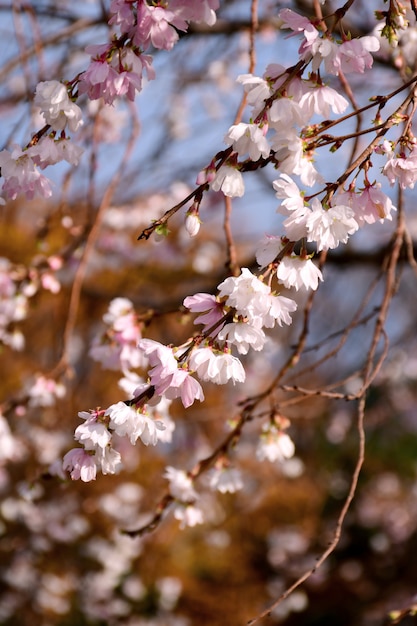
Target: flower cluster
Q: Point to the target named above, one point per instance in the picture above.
(20, 169)
(134, 420)
(116, 348)
(118, 72)
(282, 130)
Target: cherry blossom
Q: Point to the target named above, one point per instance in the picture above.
(243, 336)
(257, 89)
(49, 152)
(370, 205)
(400, 168)
(180, 485)
(268, 250)
(300, 24)
(228, 180)
(154, 26)
(11, 448)
(93, 434)
(216, 367)
(133, 423)
(45, 392)
(274, 445)
(297, 272)
(279, 311)
(285, 112)
(207, 304)
(246, 293)
(80, 464)
(328, 227)
(21, 175)
(225, 479)
(188, 514)
(13, 307)
(167, 377)
(108, 460)
(117, 347)
(287, 190)
(354, 55)
(248, 139)
(59, 112)
(196, 10)
(319, 99)
(192, 223)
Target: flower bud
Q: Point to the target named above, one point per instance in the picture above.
(192, 223)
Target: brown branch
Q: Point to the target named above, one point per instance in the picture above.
(339, 524)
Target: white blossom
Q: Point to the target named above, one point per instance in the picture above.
(180, 484)
(330, 227)
(225, 479)
(243, 336)
(229, 180)
(293, 271)
(52, 98)
(248, 139)
(216, 367)
(127, 421)
(188, 514)
(274, 445)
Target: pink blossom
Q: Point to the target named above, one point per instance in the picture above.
(22, 176)
(166, 377)
(49, 152)
(196, 10)
(154, 27)
(369, 206)
(206, 175)
(50, 283)
(122, 15)
(119, 76)
(117, 347)
(161, 359)
(80, 464)
(400, 167)
(182, 385)
(205, 302)
(45, 392)
(354, 55)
